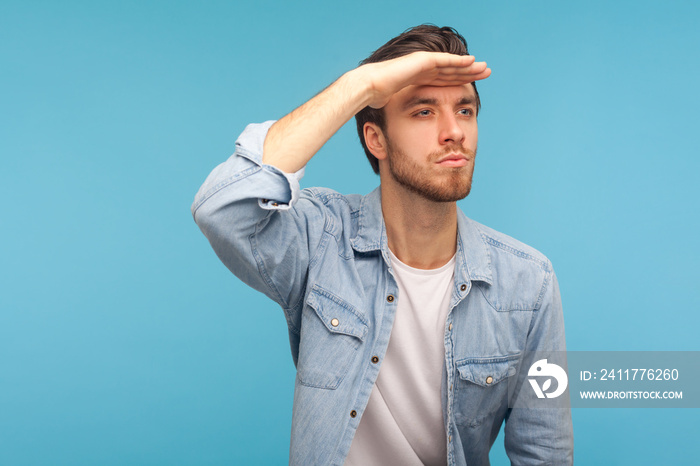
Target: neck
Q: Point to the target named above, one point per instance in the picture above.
(421, 233)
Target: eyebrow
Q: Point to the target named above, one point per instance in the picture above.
(416, 101)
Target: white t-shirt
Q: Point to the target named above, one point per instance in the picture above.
(403, 422)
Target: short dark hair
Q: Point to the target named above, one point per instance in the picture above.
(423, 38)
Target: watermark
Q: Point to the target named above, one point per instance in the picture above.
(542, 368)
(629, 395)
(606, 379)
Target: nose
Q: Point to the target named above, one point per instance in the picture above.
(450, 130)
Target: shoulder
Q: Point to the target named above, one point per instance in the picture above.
(332, 199)
(520, 273)
(340, 210)
(521, 253)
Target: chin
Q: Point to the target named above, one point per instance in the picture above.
(441, 193)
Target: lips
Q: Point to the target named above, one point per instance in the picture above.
(453, 160)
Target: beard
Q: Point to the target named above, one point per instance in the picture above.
(449, 185)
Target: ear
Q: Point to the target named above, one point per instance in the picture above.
(375, 140)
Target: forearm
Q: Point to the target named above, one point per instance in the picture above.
(292, 141)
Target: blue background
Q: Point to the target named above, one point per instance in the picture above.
(123, 339)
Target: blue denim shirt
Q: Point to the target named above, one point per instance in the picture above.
(323, 257)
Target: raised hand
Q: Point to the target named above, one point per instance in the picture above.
(421, 69)
(292, 141)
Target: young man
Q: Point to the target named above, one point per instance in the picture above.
(408, 322)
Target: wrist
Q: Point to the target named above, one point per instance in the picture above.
(358, 84)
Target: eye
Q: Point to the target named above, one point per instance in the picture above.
(422, 113)
(467, 112)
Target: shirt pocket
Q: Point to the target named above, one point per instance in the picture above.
(482, 387)
(332, 330)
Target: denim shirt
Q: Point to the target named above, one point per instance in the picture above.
(323, 257)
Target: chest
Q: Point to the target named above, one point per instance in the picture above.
(350, 309)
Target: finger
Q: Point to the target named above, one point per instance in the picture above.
(460, 72)
(483, 75)
(476, 67)
(443, 83)
(458, 81)
(449, 60)
(479, 76)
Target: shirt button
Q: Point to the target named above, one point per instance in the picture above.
(450, 387)
(375, 359)
(449, 439)
(450, 327)
(334, 322)
(390, 298)
(275, 204)
(489, 379)
(353, 413)
(463, 287)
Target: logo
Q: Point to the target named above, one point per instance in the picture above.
(543, 369)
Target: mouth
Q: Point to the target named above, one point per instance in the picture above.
(453, 160)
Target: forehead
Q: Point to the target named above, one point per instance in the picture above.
(441, 95)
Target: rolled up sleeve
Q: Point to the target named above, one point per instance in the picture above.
(274, 189)
(259, 222)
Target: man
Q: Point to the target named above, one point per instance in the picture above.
(409, 323)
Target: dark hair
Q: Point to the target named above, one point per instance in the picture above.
(423, 38)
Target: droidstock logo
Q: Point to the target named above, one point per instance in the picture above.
(542, 368)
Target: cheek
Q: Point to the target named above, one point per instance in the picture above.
(421, 136)
(472, 137)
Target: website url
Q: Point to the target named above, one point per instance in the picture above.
(630, 395)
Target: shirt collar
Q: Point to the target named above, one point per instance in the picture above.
(473, 261)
